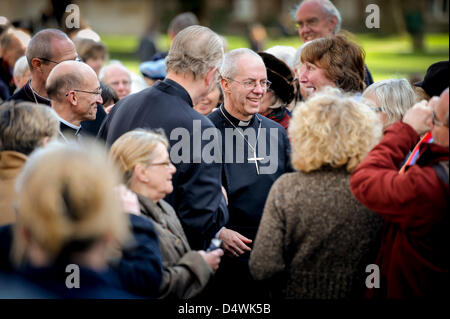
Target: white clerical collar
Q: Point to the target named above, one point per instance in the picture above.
(68, 124)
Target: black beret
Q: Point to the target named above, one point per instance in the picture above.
(281, 76)
(436, 79)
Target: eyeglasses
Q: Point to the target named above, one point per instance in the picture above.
(76, 59)
(313, 22)
(98, 92)
(435, 121)
(252, 84)
(165, 164)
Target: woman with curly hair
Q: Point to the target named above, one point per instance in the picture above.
(315, 239)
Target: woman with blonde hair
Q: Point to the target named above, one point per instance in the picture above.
(315, 239)
(69, 222)
(391, 99)
(147, 170)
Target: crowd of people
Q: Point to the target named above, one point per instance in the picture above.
(276, 174)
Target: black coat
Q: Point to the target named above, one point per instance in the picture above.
(197, 197)
(90, 127)
(140, 268)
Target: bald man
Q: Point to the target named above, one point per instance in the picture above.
(13, 44)
(74, 91)
(117, 76)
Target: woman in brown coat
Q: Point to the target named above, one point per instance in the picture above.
(315, 239)
(144, 160)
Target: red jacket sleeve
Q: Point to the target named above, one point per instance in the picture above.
(407, 199)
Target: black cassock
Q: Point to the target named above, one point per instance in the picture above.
(197, 196)
(247, 190)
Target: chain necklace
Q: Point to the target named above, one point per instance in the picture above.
(254, 158)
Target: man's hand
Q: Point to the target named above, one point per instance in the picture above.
(233, 242)
(212, 258)
(224, 192)
(418, 117)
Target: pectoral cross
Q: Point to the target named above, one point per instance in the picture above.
(256, 159)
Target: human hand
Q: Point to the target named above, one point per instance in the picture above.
(233, 242)
(128, 200)
(225, 194)
(109, 108)
(212, 258)
(418, 117)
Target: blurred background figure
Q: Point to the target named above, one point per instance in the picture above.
(211, 101)
(93, 53)
(257, 36)
(13, 43)
(117, 76)
(315, 240)
(76, 220)
(285, 53)
(332, 61)
(435, 81)
(147, 170)
(281, 91)
(153, 71)
(21, 73)
(24, 127)
(391, 99)
(109, 97)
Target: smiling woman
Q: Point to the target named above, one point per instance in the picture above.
(332, 61)
(147, 170)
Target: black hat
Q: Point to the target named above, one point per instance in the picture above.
(436, 79)
(281, 76)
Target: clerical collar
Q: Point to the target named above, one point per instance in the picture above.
(38, 98)
(235, 121)
(68, 123)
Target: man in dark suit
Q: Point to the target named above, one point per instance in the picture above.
(192, 63)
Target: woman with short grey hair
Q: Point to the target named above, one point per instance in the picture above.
(391, 99)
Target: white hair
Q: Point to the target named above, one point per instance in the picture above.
(284, 53)
(113, 63)
(229, 65)
(20, 68)
(394, 97)
(330, 10)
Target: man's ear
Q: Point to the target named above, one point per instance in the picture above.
(210, 76)
(332, 25)
(36, 63)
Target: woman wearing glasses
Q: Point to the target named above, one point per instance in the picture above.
(144, 161)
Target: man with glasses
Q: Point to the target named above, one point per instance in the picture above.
(194, 57)
(255, 152)
(74, 91)
(46, 50)
(413, 257)
(317, 19)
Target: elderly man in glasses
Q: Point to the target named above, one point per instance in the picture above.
(47, 49)
(255, 152)
(413, 198)
(318, 19)
(74, 91)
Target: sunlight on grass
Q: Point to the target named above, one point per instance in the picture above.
(386, 57)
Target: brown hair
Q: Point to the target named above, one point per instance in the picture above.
(341, 60)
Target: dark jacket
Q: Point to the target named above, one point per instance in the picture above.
(414, 256)
(140, 268)
(197, 197)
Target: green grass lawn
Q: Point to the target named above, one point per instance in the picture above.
(386, 57)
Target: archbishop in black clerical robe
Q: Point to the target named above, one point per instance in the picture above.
(247, 185)
(197, 196)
